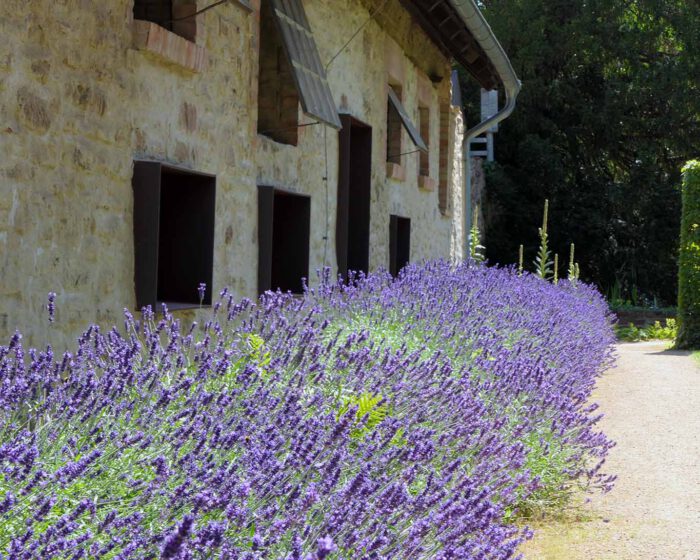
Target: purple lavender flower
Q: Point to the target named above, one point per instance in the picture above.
(201, 290)
(325, 547)
(51, 306)
(477, 369)
(174, 542)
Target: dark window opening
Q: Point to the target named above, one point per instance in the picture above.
(278, 99)
(175, 15)
(174, 211)
(284, 221)
(354, 188)
(399, 243)
(393, 129)
(424, 127)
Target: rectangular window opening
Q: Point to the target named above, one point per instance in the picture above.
(174, 15)
(174, 212)
(424, 126)
(399, 243)
(278, 99)
(284, 221)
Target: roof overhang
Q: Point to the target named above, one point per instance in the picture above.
(459, 29)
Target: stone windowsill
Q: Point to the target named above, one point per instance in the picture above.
(426, 183)
(151, 37)
(395, 171)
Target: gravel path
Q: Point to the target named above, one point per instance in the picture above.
(652, 407)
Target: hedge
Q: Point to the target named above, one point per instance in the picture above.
(689, 260)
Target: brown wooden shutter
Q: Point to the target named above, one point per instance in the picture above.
(343, 202)
(266, 198)
(393, 242)
(302, 53)
(146, 187)
(406, 121)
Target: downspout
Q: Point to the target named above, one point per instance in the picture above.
(484, 36)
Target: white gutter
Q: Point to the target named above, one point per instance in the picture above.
(484, 36)
(482, 33)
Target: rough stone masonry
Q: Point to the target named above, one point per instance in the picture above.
(85, 90)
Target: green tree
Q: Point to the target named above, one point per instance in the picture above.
(609, 111)
(689, 261)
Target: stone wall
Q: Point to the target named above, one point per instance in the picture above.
(85, 90)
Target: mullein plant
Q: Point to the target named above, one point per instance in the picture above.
(476, 249)
(521, 255)
(405, 418)
(543, 263)
(574, 271)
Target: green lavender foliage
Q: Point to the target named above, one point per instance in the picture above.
(689, 260)
(476, 249)
(543, 263)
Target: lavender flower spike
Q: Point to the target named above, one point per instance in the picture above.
(174, 542)
(51, 306)
(325, 547)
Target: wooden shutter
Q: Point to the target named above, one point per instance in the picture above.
(302, 53)
(266, 198)
(342, 214)
(393, 243)
(146, 187)
(406, 121)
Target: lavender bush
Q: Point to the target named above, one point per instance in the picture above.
(406, 419)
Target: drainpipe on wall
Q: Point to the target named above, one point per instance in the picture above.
(482, 33)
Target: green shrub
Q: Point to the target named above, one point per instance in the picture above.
(689, 260)
(657, 331)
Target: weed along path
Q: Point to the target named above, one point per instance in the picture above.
(651, 403)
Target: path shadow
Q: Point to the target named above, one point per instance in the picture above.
(671, 352)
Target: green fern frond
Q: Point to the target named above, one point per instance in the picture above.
(257, 351)
(371, 406)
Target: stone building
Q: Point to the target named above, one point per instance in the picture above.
(148, 146)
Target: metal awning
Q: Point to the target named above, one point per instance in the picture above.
(302, 53)
(406, 121)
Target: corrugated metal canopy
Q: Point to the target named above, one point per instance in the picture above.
(301, 50)
(406, 121)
